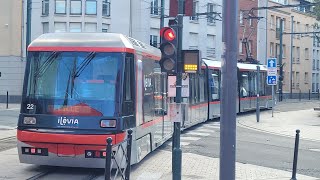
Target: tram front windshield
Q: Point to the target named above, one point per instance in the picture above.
(72, 83)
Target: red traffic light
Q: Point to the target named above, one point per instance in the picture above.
(168, 33)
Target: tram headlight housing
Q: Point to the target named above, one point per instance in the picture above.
(29, 120)
(108, 123)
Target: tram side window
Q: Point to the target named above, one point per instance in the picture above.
(262, 84)
(193, 88)
(128, 79)
(202, 86)
(148, 98)
(252, 84)
(244, 84)
(214, 85)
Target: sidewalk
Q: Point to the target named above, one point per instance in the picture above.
(157, 166)
(3, 106)
(286, 123)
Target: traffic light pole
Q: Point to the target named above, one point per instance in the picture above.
(280, 59)
(176, 152)
(28, 28)
(229, 90)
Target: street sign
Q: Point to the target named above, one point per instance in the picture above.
(272, 71)
(272, 80)
(272, 63)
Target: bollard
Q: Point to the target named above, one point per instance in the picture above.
(7, 99)
(295, 156)
(129, 145)
(309, 94)
(107, 172)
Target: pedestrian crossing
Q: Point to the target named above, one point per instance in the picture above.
(195, 134)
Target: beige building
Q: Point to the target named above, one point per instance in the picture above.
(273, 40)
(301, 52)
(11, 64)
(304, 74)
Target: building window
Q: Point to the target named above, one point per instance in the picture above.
(298, 54)
(60, 6)
(306, 53)
(154, 40)
(306, 78)
(90, 27)
(105, 8)
(210, 11)
(76, 7)
(272, 49)
(240, 47)
(250, 47)
(241, 17)
(284, 51)
(154, 7)
(75, 27)
(45, 27)
(60, 27)
(313, 64)
(105, 27)
(293, 54)
(45, 7)
(272, 22)
(195, 10)
(91, 7)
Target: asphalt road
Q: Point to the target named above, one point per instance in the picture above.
(264, 150)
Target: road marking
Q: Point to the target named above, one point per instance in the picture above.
(187, 138)
(197, 134)
(316, 150)
(182, 143)
(204, 130)
(11, 109)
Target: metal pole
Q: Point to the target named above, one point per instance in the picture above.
(280, 60)
(295, 156)
(129, 146)
(291, 60)
(309, 94)
(162, 15)
(273, 104)
(177, 153)
(258, 92)
(7, 99)
(28, 32)
(107, 171)
(229, 90)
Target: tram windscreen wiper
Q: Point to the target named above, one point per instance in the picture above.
(46, 64)
(85, 63)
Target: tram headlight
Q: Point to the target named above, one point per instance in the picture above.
(29, 120)
(108, 123)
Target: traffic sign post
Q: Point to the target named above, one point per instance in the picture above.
(272, 76)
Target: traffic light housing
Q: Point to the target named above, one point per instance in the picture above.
(168, 48)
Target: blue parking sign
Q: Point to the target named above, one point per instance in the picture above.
(272, 80)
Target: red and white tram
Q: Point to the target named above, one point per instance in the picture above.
(80, 89)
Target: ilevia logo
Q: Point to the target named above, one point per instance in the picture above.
(68, 122)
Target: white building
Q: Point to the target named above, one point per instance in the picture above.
(139, 19)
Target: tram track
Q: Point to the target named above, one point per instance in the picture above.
(67, 173)
(8, 143)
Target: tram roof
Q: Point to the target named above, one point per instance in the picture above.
(242, 66)
(100, 42)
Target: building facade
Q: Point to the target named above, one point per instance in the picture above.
(247, 33)
(11, 64)
(299, 58)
